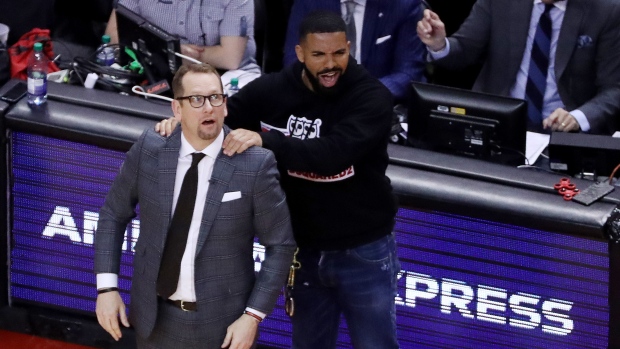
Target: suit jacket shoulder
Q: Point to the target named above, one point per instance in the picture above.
(389, 51)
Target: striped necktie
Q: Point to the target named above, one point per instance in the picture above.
(539, 66)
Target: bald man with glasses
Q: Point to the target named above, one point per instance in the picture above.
(194, 284)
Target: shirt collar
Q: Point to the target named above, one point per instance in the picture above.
(559, 4)
(211, 151)
(357, 2)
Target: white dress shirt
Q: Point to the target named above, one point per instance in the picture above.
(185, 289)
(358, 15)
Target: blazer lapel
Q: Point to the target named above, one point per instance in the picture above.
(223, 169)
(167, 169)
(373, 19)
(568, 34)
(519, 26)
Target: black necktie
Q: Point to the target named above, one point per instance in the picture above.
(176, 240)
(349, 20)
(539, 66)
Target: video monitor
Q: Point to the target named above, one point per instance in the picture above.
(470, 123)
(154, 48)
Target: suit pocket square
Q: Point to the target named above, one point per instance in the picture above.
(230, 196)
(383, 39)
(584, 41)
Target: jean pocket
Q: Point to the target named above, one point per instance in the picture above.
(375, 252)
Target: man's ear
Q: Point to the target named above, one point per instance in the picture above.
(299, 51)
(176, 109)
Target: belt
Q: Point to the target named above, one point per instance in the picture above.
(183, 305)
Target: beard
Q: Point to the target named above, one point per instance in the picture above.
(210, 133)
(316, 85)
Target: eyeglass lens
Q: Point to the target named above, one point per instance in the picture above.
(198, 101)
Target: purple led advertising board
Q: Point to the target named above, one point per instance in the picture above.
(464, 282)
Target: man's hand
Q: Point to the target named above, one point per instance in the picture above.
(110, 307)
(166, 126)
(241, 334)
(432, 31)
(561, 120)
(240, 140)
(193, 51)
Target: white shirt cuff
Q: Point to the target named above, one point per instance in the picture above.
(435, 55)
(254, 311)
(581, 120)
(105, 280)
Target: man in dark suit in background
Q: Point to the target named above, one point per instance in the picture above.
(384, 42)
(582, 89)
(213, 299)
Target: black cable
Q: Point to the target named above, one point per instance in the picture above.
(541, 169)
(107, 75)
(62, 62)
(77, 72)
(93, 67)
(82, 67)
(501, 149)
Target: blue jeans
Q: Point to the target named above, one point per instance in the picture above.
(359, 283)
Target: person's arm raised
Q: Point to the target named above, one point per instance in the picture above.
(432, 31)
(111, 28)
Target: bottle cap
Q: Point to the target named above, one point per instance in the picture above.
(105, 39)
(38, 47)
(234, 81)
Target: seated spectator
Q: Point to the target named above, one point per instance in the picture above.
(385, 47)
(563, 57)
(220, 33)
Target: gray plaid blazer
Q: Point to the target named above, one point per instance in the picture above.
(224, 267)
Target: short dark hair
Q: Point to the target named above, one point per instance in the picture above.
(321, 21)
(177, 81)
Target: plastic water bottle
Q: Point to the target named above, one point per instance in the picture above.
(37, 76)
(234, 87)
(105, 53)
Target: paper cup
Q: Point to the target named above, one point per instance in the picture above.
(91, 79)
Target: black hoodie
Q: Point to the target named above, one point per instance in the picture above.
(331, 152)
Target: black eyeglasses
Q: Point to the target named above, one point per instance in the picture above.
(197, 101)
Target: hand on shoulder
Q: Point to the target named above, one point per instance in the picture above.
(166, 126)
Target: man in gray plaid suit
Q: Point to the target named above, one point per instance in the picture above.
(218, 301)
